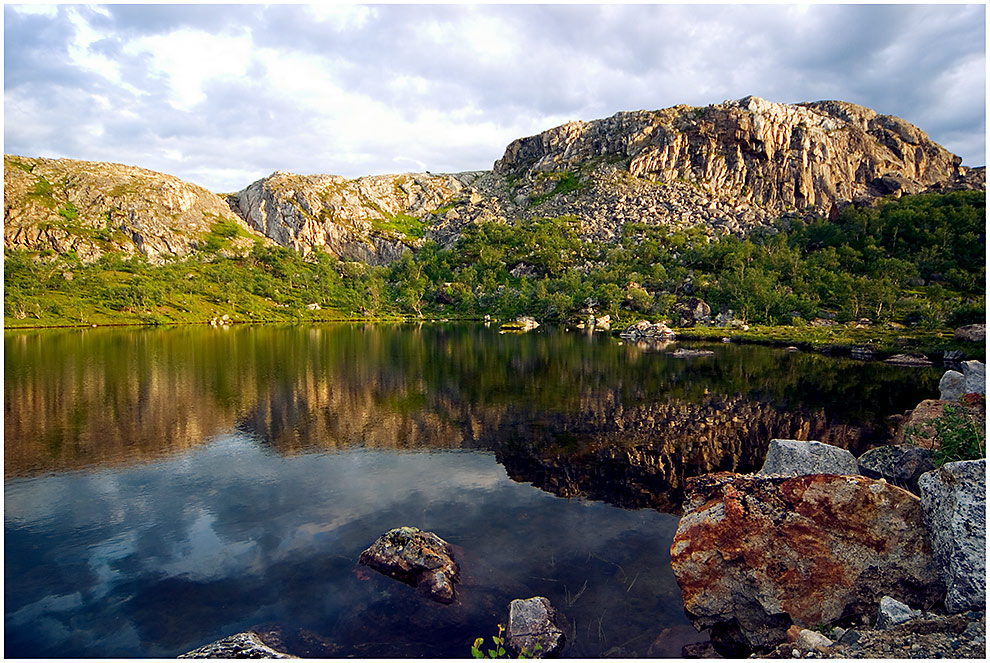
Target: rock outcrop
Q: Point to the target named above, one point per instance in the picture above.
(417, 558)
(954, 503)
(755, 555)
(62, 205)
(372, 219)
(728, 167)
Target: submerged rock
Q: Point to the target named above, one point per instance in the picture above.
(754, 555)
(908, 360)
(797, 457)
(684, 353)
(239, 645)
(954, 501)
(417, 558)
(534, 628)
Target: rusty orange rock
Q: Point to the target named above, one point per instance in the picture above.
(755, 555)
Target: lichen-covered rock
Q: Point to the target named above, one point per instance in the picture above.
(797, 457)
(417, 558)
(239, 645)
(533, 622)
(954, 500)
(952, 386)
(755, 555)
(899, 464)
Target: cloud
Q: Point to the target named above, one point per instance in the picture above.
(222, 95)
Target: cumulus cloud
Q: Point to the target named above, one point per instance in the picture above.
(223, 95)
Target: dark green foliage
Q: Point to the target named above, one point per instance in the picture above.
(918, 261)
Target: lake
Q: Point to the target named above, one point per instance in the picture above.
(166, 488)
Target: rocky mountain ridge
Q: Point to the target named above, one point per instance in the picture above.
(728, 168)
(93, 208)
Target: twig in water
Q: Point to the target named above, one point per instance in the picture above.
(571, 601)
(633, 582)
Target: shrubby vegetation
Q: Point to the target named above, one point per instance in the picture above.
(917, 261)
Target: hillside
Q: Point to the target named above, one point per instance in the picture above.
(808, 214)
(58, 206)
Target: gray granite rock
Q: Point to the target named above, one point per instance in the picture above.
(952, 386)
(796, 457)
(953, 501)
(892, 612)
(972, 333)
(899, 464)
(239, 645)
(532, 622)
(975, 373)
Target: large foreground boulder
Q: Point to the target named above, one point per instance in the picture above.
(535, 628)
(796, 457)
(417, 558)
(954, 502)
(755, 555)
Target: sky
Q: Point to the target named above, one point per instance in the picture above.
(223, 95)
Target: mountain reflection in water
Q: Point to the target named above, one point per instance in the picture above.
(575, 415)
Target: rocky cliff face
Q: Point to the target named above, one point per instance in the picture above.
(372, 219)
(92, 208)
(730, 167)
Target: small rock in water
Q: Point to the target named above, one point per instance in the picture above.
(534, 627)
(417, 558)
(239, 645)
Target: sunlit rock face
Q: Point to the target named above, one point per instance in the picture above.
(351, 219)
(754, 555)
(93, 208)
(728, 167)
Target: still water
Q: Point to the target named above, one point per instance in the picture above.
(165, 488)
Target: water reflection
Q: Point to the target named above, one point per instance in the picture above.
(576, 415)
(156, 559)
